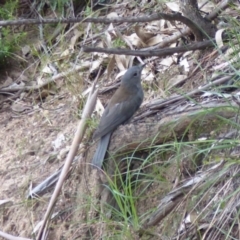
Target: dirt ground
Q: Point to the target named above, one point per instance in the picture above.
(27, 142)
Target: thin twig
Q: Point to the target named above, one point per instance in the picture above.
(153, 17)
(74, 147)
(150, 53)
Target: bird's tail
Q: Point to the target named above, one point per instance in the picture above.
(101, 150)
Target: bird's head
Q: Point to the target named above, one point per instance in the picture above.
(133, 75)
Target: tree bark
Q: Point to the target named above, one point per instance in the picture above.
(190, 10)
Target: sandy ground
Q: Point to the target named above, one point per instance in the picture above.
(26, 143)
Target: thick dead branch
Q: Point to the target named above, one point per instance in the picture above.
(191, 11)
(219, 8)
(165, 127)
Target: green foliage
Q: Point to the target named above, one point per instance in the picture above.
(118, 42)
(7, 11)
(123, 190)
(58, 6)
(9, 40)
(88, 11)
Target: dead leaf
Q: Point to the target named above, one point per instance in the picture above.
(99, 108)
(121, 62)
(174, 6)
(59, 141)
(185, 64)
(143, 34)
(154, 40)
(77, 35)
(111, 29)
(108, 39)
(218, 37)
(19, 106)
(112, 15)
(135, 40)
(110, 66)
(47, 70)
(175, 81)
(96, 64)
(167, 62)
(65, 54)
(7, 83)
(147, 76)
(207, 6)
(26, 50)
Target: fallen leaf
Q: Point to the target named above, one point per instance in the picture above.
(218, 37)
(135, 40)
(7, 82)
(65, 53)
(143, 34)
(154, 40)
(19, 106)
(96, 64)
(59, 141)
(76, 36)
(121, 62)
(174, 6)
(110, 66)
(167, 62)
(47, 69)
(185, 64)
(108, 39)
(26, 50)
(175, 81)
(99, 107)
(112, 15)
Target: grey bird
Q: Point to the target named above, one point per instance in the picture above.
(121, 107)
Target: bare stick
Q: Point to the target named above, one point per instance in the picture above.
(162, 52)
(91, 102)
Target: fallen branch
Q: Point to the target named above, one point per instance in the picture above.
(153, 17)
(149, 53)
(166, 127)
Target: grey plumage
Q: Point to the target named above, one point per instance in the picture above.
(121, 107)
(101, 150)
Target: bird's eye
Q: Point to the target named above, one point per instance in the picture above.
(135, 74)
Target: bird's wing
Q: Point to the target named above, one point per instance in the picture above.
(114, 116)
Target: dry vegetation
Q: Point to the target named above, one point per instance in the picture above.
(173, 171)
